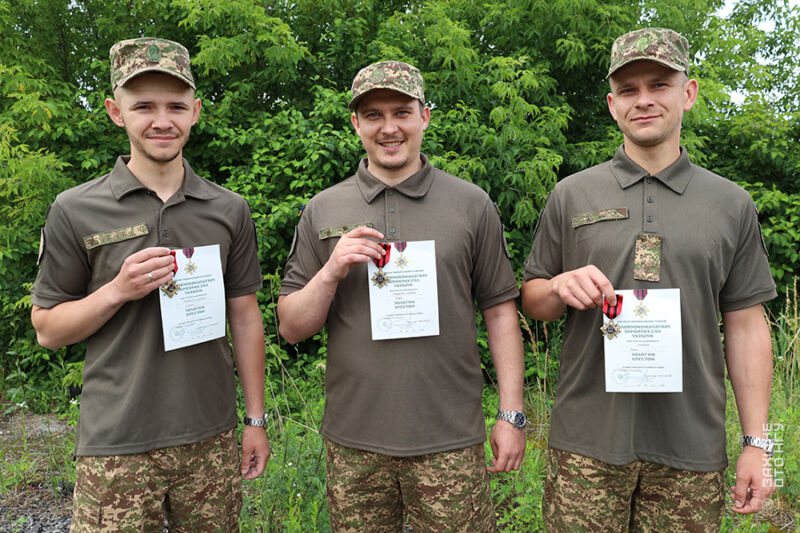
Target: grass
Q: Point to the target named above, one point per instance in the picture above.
(290, 496)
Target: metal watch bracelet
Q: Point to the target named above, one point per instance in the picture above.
(260, 422)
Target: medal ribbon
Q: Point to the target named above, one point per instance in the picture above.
(188, 252)
(174, 262)
(640, 293)
(612, 312)
(383, 260)
(400, 246)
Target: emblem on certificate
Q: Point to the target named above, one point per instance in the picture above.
(611, 329)
(401, 261)
(380, 278)
(170, 288)
(190, 267)
(640, 309)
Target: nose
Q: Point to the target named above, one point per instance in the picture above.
(388, 126)
(645, 99)
(162, 120)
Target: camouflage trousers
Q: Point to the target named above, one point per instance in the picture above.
(197, 487)
(584, 494)
(440, 492)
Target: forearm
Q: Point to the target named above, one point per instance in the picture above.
(540, 301)
(74, 321)
(247, 337)
(301, 314)
(748, 352)
(505, 345)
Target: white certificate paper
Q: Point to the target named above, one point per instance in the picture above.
(647, 354)
(403, 297)
(193, 302)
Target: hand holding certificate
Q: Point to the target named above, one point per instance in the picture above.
(193, 301)
(643, 342)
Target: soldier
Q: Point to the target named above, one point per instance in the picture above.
(403, 425)
(652, 461)
(157, 428)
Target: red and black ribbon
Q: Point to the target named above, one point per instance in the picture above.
(384, 259)
(640, 293)
(188, 252)
(174, 261)
(612, 312)
(401, 245)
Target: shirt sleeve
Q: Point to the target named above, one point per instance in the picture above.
(304, 258)
(546, 259)
(493, 280)
(64, 272)
(749, 281)
(243, 271)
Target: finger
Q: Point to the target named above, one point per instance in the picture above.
(364, 231)
(148, 253)
(740, 495)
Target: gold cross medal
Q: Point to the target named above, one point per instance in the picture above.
(640, 310)
(380, 278)
(401, 261)
(170, 288)
(190, 267)
(611, 329)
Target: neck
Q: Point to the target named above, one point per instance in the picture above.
(653, 159)
(163, 178)
(392, 177)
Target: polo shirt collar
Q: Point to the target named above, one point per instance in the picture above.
(123, 182)
(415, 186)
(676, 176)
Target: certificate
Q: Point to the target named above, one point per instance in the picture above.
(403, 296)
(645, 352)
(193, 301)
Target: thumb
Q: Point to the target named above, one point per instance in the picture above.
(740, 492)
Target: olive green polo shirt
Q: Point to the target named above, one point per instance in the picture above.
(136, 396)
(712, 251)
(411, 396)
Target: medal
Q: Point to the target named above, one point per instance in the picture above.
(611, 329)
(380, 278)
(401, 261)
(640, 309)
(170, 288)
(190, 267)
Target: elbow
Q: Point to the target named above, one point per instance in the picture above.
(48, 342)
(288, 335)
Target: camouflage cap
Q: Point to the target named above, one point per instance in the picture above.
(394, 75)
(132, 57)
(662, 45)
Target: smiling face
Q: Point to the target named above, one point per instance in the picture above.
(390, 125)
(648, 100)
(157, 112)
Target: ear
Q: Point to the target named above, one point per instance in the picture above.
(610, 99)
(354, 122)
(690, 90)
(196, 106)
(426, 118)
(114, 112)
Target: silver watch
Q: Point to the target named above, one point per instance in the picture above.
(260, 421)
(517, 418)
(767, 445)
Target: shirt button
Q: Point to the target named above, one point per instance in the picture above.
(649, 219)
(392, 230)
(391, 209)
(390, 192)
(650, 200)
(649, 180)
(165, 233)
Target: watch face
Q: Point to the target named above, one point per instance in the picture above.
(519, 419)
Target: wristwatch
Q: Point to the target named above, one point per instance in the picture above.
(260, 421)
(517, 418)
(765, 444)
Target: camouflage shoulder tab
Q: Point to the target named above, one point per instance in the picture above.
(338, 231)
(617, 213)
(117, 235)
